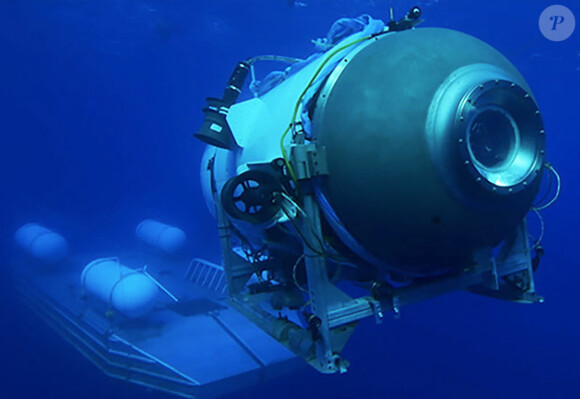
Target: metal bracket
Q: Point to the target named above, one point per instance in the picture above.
(377, 310)
(309, 160)
(514, 270)
(515, 257)
(353, 310)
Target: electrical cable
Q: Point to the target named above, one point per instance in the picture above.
(538, 241)
(558, 188)
(297, 106)
(547, 191)
(300, 258)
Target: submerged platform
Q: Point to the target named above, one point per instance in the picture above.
(198, 347)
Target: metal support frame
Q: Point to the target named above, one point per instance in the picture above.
(299, 340)
(309, 161)
(318, 284)
(514, 271)
(236, 269)
(508, 276)
(334, 313)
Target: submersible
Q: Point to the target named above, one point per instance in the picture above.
(404, 159)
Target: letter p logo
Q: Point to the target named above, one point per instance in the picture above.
(557, 23)
(558, 19)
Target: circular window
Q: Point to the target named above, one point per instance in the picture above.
(502, 135)
(493, 140)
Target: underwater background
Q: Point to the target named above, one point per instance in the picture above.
(98, 104)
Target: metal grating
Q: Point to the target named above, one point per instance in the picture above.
(207, 275)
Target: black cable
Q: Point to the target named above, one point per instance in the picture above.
(299, 232)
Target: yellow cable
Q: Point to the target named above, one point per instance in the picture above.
(297, 106)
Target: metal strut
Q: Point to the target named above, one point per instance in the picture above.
(310, 161)
(236, 269)
(318, 283)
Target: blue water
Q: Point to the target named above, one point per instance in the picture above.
(98, 104)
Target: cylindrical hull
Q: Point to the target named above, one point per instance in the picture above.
(128, 291)
(42, 243)
(159, 235)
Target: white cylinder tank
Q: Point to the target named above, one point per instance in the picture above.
(41, 243)
(130, 292)
(160, 235)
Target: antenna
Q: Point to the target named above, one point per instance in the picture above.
(391, 11)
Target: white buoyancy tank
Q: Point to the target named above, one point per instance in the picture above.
(42, 243)
(131, 292)
(169, 239)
